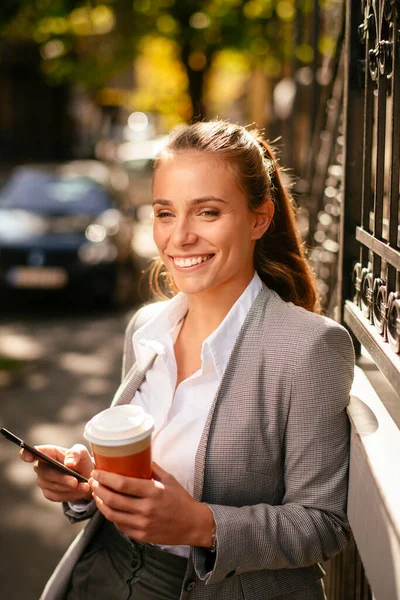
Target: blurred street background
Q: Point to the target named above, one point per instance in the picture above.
(88, 92)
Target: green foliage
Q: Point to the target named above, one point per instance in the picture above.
(89, 41)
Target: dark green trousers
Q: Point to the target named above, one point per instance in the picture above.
(116, 568)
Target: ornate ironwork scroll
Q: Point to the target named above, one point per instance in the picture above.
(376, 276)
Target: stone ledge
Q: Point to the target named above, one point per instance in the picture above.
(374, 488)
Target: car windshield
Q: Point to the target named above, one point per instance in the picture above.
(48, 194)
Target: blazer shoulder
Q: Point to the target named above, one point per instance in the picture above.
(306, 328)
(143, 315)
(138, 319)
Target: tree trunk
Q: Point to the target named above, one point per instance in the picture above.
(259, 99)
(196, 80)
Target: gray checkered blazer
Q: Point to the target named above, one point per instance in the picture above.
(272, 462)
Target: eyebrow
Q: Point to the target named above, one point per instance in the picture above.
(194, 202)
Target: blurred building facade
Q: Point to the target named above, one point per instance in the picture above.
(35, 121)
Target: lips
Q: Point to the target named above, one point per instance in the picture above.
(190, 261)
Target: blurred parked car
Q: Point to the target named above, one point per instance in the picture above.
(68, 227)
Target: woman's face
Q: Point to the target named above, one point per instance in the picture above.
(203, 228)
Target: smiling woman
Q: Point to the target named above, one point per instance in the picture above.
(203, 228)
(228, 173)
(247, 386)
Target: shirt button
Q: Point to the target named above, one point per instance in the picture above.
(190, 585)
(230, 574)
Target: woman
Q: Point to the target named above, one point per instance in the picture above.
(248, 387)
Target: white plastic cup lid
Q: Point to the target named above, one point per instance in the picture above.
(119, 425)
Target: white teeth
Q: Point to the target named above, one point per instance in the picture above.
(190, 262)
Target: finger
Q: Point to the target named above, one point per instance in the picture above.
(64, 496)
(122, 519)
(114, 500)
(57, 486)
(131, 486)
(47, 473)
(129, 523)
(56, 452)
(26, 456)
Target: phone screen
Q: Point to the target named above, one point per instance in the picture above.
(41, 456)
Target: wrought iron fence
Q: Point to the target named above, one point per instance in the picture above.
(373, 314)
(349, 185)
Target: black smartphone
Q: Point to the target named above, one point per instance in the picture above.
(41, 456)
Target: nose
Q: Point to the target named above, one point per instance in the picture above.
(183, 233)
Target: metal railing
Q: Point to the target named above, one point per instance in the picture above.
(349, 185)
(373, 314)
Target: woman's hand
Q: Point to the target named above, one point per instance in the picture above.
(158, 510)
(56, 486)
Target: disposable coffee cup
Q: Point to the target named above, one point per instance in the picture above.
(120, 438)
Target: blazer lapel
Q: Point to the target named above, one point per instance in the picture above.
(131, 383)
(249, 335)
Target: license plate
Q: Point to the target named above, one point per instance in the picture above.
(37, 277)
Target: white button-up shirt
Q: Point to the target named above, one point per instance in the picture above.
(180, 414)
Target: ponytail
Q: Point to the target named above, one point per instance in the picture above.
(279, 256)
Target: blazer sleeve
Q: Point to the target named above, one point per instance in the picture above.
(311, 523)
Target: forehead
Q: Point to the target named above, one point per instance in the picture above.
(196, 173)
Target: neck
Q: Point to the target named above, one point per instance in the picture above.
(207, 310)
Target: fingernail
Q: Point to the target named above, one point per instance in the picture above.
(69, 460)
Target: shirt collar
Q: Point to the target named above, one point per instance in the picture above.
(159, 334)
(221, 342)
(161, 331)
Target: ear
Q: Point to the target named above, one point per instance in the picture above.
(262, 219)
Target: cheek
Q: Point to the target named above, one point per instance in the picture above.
(158, 235)
(237, 238)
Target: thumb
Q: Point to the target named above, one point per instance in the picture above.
(158, 473)
(78, 455)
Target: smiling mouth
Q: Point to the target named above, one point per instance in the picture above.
(191, 261)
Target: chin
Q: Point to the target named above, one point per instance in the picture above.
(192, 287)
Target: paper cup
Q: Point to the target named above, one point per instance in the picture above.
(120, 438)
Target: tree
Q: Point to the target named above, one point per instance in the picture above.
(88, 42)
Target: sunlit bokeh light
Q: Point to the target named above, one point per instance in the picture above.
(95, 233)
(167, 25)
(197, 60)
(138, 121)
(285, 10)
(199, 20)
(52, 49)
